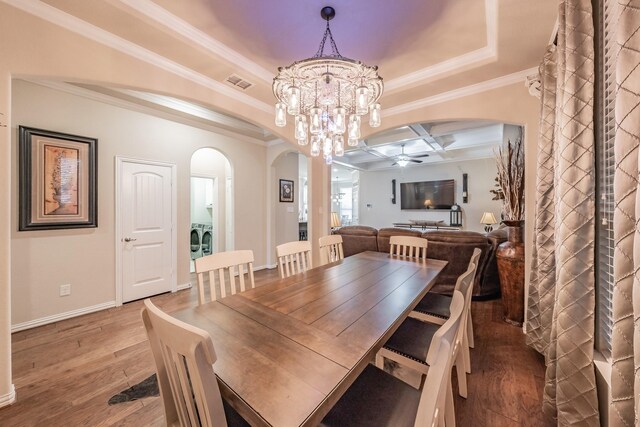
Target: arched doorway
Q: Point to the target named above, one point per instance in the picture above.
(211, 203)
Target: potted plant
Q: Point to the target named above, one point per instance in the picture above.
(510, 254)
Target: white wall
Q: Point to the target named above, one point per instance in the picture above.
(85, 258)
(375, 190)
(286, 167)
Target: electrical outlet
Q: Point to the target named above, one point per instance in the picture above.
(65, 290)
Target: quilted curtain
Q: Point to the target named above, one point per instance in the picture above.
(625, 376)
(560, 322)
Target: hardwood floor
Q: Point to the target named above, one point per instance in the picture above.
(66, 372)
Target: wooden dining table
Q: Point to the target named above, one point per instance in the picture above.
(288, 350)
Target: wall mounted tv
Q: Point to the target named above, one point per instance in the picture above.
(427, 194)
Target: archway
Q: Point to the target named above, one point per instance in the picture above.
(211, 204)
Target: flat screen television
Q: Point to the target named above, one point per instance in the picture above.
(427, 194)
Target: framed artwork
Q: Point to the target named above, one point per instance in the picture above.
(286, 190)
(58, 180)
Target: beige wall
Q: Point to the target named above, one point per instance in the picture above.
(85, 258)
(286, 167)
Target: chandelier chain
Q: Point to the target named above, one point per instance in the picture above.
(334, 48)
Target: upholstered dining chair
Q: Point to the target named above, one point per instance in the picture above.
(331, 248)
(377, 398)
(434, 307)
(410, 343)
(408, 246)
(225, 264)
(293, 258)
(184, 358)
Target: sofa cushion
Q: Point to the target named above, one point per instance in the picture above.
(456, 247)
(384, 235)
(358, 238)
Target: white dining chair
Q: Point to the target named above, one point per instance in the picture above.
(410, 343)
(377, 398)
(434, 307)
(184, 358)
(293, 258)
(331, 248)
(224, 265)
(408, 246)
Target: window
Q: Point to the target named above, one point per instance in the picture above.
(605, 169)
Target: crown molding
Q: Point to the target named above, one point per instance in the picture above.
(460, 63)
(90, 31)
(473, 89)
(200, 38)
(132, 106)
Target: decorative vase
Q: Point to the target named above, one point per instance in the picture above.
(510, 257)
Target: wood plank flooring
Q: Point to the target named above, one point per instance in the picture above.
(65, 372)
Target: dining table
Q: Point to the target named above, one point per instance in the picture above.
(289, 349)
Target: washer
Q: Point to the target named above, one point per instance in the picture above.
(207, 240)
(196, 240)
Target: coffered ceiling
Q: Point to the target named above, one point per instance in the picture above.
(424, 48)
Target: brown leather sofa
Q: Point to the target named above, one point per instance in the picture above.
(453, 246)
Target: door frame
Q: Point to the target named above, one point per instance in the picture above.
(120, 160)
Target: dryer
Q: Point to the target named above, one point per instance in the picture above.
(196, 240)
(206, 241)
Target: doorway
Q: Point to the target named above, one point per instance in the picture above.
(211, 202)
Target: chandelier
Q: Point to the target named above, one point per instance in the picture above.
(327, 95)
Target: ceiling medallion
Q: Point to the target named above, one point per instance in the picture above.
(327, 95)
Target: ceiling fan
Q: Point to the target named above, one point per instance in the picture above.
(403, 160)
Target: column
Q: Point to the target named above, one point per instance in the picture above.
(319, 180)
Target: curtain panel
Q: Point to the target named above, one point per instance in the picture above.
(560, 323)
(625, 377)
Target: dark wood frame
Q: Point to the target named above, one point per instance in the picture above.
(26, 182)
(282, 198)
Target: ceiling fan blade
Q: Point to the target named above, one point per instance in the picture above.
(420, 155)
(394, 163)
(414, 161)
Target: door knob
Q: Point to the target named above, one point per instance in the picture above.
(129, 239)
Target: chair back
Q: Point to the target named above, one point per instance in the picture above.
(293, 258)
(184, 357)
(331, 249)
(431, 410)
(408, 246)
(223, 265)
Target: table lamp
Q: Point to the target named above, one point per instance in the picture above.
(488, 219)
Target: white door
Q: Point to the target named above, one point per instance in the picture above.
(145, 229)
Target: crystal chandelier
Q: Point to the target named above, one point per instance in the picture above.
(327, 95)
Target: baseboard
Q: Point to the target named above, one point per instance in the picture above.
(8, 398)
(62, 316)
(183, 286)
(268, 267)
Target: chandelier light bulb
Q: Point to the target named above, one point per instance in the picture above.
(339, 115)
(362, 100)
(374, 115)
(281, 114)
(315, 146)
(315, 125)
(338, 145)
(352, 142)
(354, 126)
(294, 101)
(327, 146)
(301, 127)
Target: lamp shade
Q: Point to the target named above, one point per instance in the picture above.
(335, 220)
(488, 218)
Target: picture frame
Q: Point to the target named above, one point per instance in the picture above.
(57, 180)
(286, 191)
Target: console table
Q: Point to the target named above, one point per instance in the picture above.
(424, 227)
